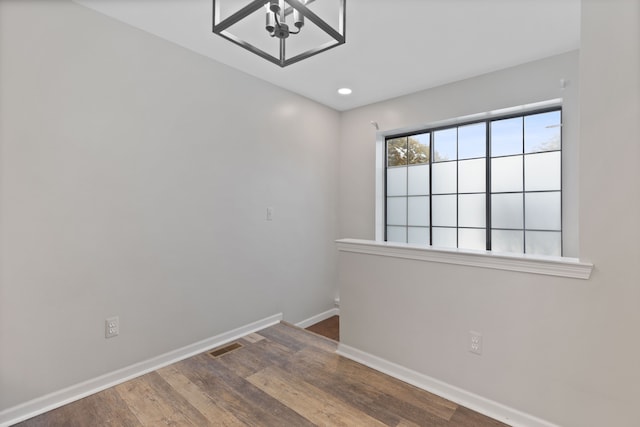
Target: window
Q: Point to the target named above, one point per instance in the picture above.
(493, 184)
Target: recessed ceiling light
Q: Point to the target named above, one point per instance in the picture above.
(344, 91)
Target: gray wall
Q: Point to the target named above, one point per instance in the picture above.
(135, 177)
(564, 350)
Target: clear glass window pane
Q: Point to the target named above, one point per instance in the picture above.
(506, 174)
(507, 241)
(444, 210)
(397, 182)
(444, 178)
(471, 238)
(543, 211)
(472, 210)
(445, 145)
(507, 211)
(542, 132)
(506, 137)
(397, 234)
(397, 210)
(472, 141)
(472, 176)
(542, 171)
(418, 184)
(544, 243)
(397, 151)
(418, 208)
(444, 237)
(419, 151)
(418, 235)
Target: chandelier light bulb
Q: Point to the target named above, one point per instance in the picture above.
(274, 5)
(271, 23)
(298, 19)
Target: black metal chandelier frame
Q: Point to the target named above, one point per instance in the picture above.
(221, 27)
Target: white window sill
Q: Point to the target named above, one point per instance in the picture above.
(537, 264)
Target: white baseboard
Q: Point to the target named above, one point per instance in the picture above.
(62, 397)
(318, 318)
(462, 397)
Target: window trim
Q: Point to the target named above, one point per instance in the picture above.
(536, 264)
(540, 264)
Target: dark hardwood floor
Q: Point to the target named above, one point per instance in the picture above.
(280, 376)
(329, 328)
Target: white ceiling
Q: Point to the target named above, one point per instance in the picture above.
(393, 47)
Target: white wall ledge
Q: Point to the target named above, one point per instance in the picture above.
(536, 264)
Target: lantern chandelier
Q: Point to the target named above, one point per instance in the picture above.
(284, 19)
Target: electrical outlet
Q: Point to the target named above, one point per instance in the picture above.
(270, 213)
(111, 327)
(475, 342)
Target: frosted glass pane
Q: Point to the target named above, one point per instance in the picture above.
(507, 241)
(444, 178)
(506, 137)
(418, 208)
(472, 176)
(444, 210)
(542, 132)
(543, 211)
(418, 180)
(472, 239)
(397, 152)
(472, 141)
(419, 151)
(472, 210)
(445, 145)
(396, 210)
(506, 211)
(542, 171)
(544, 243)
(444, 237)
(397, 234)
(506, 174)
(418, 235)
(397, 182)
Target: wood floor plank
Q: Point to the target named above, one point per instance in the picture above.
(253, 338)
(406, 423)
(198, 398)
(250, 359)
(323, 377)
(315, 340)
(319, 407)
(101, 409)
(383, 389)
(364, 394)
(296, 338)
(411, 412)
(465, 417)
(109, 409)
(236, 395)
(155, 402)
(356, 397)
(215, 389)
(329, 328)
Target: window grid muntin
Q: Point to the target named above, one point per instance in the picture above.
(488, 191)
